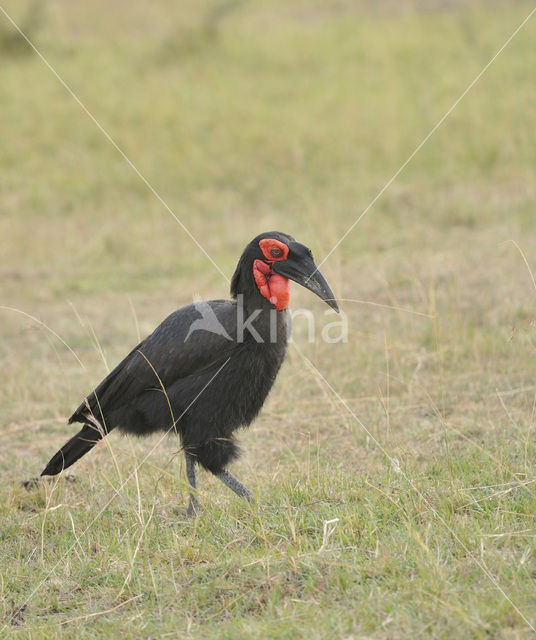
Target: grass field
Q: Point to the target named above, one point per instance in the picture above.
(245, 117)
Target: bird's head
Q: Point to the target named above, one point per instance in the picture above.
(267, 264)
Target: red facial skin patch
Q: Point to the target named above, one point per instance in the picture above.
(274, 287)
(273, 249)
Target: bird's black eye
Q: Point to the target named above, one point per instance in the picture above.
(276, 253)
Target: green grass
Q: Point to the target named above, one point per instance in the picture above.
(290, 116)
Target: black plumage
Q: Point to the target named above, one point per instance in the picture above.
(207, 369)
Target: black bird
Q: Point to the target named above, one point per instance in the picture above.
(207, 369)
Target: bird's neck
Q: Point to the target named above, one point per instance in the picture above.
(259, 315)
(258, 320)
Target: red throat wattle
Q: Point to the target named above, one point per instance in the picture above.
(273, 287)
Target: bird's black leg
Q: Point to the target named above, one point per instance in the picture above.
(193, 506)
(234, 484)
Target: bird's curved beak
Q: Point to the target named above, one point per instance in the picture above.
(300, 267)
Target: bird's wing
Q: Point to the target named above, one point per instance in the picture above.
(171, 352)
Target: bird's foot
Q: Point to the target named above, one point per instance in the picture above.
(30, 484)
(193, 508)
(35, 482)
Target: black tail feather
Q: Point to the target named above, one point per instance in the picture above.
(72, 450)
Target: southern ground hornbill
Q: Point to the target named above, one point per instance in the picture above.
(207, 369)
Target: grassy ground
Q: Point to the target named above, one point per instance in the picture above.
(289, 116)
